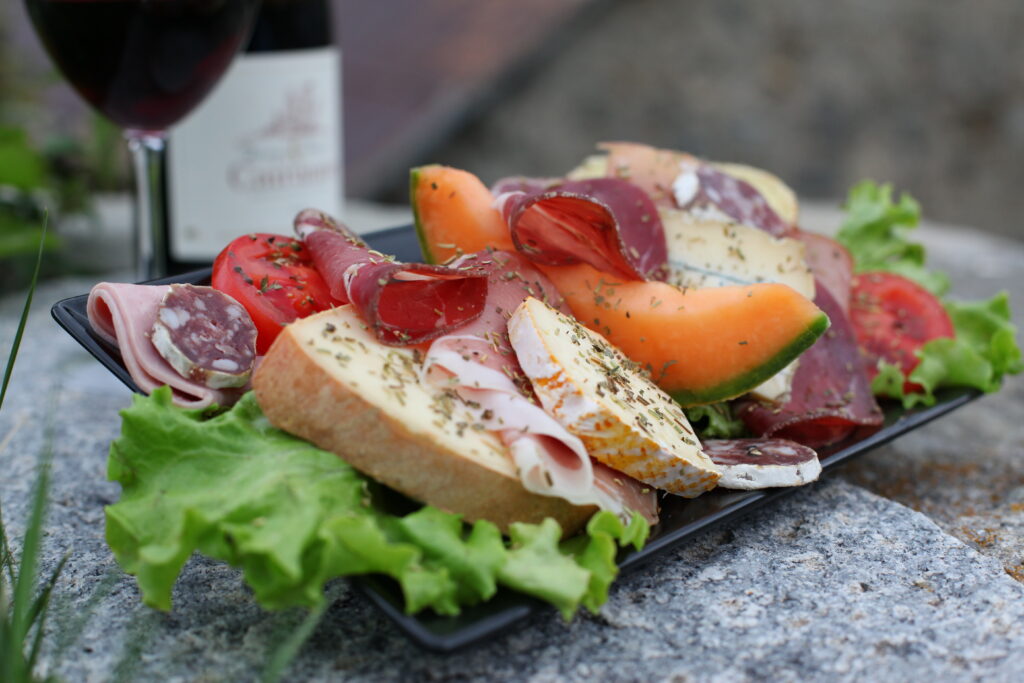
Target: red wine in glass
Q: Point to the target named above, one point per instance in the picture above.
(144, 64)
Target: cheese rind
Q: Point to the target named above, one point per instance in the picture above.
(591, 388)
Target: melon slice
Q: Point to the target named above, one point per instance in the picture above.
(453, 214)
(700, 345)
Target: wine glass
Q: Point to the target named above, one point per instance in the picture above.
(144, 64)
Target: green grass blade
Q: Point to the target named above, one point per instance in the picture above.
(71, 624)
(24, 586)
(39, 611)
(285, 652)
(24, 318)
(6, 556)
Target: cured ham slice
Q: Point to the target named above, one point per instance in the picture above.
(831, 264)
(479, 364)
(404, 304)
(750, 464)
(831, 393)
(676, 179)
(608, 223)
(123, 314)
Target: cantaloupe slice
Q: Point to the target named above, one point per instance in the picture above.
(700, 345)
(453, 214)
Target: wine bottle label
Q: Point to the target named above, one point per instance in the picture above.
(264, 145)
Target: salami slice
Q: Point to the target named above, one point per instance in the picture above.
(404, 304)
(205, 335)
(762, 463)
(123, 315)
(703, 190)
(831, 394)
(608, 223)
(680, 180)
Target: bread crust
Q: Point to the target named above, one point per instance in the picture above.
(303, 395)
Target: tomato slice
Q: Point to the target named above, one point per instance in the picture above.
(273, 276)
(893, 317)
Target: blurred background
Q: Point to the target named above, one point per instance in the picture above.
(926, 95)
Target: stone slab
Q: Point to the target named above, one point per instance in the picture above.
(833, 583)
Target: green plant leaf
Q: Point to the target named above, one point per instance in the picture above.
(292, 517)
(875, 231)
(21, 166)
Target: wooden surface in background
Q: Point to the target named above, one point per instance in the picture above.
(413, 70)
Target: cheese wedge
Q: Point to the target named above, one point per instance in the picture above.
(600, 396)
(718, 254)
(326, 379)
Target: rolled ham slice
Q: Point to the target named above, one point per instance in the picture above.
(479, 364)
(608, 223)
(123, 314)
(404, 304)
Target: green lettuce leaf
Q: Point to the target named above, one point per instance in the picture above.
(715, 421)
(875, 232)
(292, 517)
(984, 351)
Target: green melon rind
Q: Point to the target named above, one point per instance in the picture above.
(417, 219)
(749, 380)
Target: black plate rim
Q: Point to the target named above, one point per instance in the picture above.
(508, 610)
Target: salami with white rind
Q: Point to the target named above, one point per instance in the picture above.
(762, 463)
(206, 335)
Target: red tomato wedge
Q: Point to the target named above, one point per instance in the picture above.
(893, 317)
(273, 276)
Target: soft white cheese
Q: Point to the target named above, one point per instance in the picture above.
(594, 391)
(704, 253)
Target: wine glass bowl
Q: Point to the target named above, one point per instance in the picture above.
(144, 64)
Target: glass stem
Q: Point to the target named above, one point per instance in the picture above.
(147, 148)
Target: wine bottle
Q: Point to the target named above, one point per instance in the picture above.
(265, 144)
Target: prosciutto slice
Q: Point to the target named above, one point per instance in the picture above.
(831, 264)
(404, 304)
(479, 364)
(123, 314)
(608, 223)
(831, 394)
(679, 180)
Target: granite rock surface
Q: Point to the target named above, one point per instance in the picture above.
(834, 582)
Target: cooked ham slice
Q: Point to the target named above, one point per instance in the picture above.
(123, 314)
(479, 364)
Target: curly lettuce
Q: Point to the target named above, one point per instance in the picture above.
(291, 517)
(875, 231)
(985, 348)
(984, 351)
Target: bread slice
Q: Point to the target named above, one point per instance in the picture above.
(328, 380)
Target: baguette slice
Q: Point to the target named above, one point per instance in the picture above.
(327, 380)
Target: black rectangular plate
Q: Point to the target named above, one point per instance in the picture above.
(681, 519)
